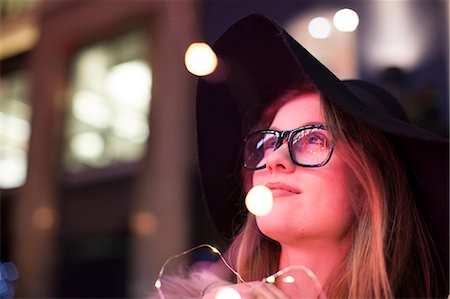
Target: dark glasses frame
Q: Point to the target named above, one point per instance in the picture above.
(287, 135)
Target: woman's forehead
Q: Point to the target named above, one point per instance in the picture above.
(301, 110)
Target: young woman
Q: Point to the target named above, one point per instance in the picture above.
(342, 206)
(360, 195)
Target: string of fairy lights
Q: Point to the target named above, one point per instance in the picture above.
(227, 292)
(259, 202)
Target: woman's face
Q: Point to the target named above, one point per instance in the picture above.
(308, 203)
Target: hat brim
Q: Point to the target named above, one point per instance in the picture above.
(261, 61)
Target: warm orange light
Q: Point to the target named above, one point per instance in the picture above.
(43, 218)
(143, 223)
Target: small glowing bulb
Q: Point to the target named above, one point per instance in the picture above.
(270, 279)
(214, 249)
(259, 200)
(289, 279)
(158, 284)
(200, 59)
(227, 293)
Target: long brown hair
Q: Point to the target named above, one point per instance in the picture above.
(390, 255)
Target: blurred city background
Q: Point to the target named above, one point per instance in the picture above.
(98, 173)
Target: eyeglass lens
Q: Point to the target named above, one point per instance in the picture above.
(308, 146)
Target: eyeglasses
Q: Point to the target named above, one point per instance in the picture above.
(309, 146)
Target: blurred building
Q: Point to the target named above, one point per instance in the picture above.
(97, 140)
(92, 178)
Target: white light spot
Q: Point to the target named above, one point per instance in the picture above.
(270, 279)
(200, 59)
(13, 167)
(91, 108)
(14, 127)
(227, 293)
(158, 284)
(259, 200)
(88, 146)
(131, 126)
(129, 84)
(346, 20)
(319, 28)
(289, 279)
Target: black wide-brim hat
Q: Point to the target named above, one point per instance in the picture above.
(258, 61)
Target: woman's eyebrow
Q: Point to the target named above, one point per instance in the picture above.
(309, 123)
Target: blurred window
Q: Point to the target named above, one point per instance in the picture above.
(15, 113)
(109, 104)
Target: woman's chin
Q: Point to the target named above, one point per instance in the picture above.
(275, 227)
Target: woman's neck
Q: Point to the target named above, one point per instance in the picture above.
(319, 256)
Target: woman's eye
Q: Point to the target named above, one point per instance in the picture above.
(270, 142)
(316, 139)
(310, 141)
(308, 138)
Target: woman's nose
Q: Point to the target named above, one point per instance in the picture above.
(280, 159)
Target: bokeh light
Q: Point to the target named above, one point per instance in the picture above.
(129, 84)
(92, 109)
(259, 200)
(13, 167)
(319, 28)
(88, 146)
(143, 223)
(346, 20)
(200, 59)
(43, 218)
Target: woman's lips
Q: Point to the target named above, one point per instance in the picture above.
(282, 189)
